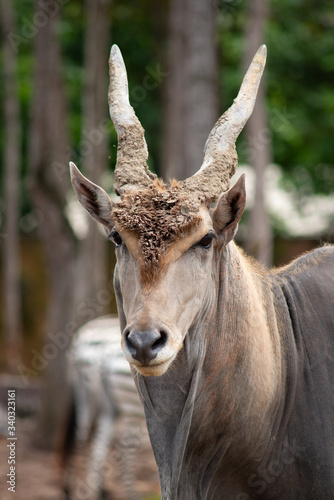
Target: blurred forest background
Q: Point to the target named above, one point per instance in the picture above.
(185, 62)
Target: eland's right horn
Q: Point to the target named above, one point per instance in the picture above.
(131, 168)
(220, 156)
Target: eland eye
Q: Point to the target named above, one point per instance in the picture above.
(116, 238)
(206, 241)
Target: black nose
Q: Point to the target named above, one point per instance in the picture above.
(144, 346)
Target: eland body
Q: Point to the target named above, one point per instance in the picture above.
(234, 363)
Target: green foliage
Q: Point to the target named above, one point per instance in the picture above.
(307, 58)
(22, 44)
(71, 32)
(140, 30)
(299, 78)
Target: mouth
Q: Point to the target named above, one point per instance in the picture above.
(154, 369)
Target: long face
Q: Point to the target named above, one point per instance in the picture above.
(166, 248)
(165, 235)
(160, 311)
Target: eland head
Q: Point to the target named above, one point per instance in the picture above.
(168, 236)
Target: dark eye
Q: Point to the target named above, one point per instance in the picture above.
(206, 241)
(116, 238)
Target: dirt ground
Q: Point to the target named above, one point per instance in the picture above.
(38, 476)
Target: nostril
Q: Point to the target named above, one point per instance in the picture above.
(128, 342)
(161, 341)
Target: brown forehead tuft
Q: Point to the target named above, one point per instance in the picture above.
(158, 216)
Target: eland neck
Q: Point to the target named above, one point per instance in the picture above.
(229, 366)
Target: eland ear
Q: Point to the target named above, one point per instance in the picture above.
(229, 209)
(92, 197)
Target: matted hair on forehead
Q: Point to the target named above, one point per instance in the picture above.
(157, 215)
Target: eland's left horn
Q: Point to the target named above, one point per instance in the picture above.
(131, 168)
(220, 156)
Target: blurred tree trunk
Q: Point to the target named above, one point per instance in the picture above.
(47, 146)
(191, 93)
(93, 259)
(260, 236)
(11, 241)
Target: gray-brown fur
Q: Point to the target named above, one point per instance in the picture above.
(158, 215)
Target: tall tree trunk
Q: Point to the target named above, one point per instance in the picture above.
(48, 141)
(191, 94)
(11, 242)
(260, 237)
(92, 261)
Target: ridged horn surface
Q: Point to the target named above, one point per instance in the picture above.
(220, 156)
(131, 168)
